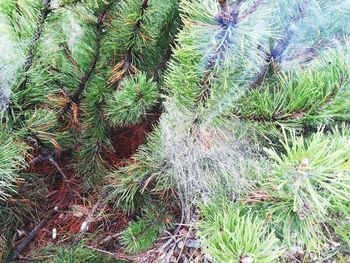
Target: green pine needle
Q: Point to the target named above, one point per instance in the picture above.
(232, 234)
(142, 234)
(129, 105)
(304, 180)
(12, 162)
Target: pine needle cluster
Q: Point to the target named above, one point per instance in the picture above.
(143, 233)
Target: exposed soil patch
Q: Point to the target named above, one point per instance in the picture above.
(127, 140)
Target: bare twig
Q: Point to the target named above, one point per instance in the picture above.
(184, 244)
(109, 238)
(16, 253)
(172, 238)
(51, 156)
(85, 226)
(140, 258)
(65, 179)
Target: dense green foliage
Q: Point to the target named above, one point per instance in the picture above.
(129, 105)
(11, 160)
(233, 235)
(253, 139)
(243, 78)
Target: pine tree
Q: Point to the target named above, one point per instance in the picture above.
(60, 61)
(253, 140)
(255, 116)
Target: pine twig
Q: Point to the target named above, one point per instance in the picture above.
(70, 3)
(51, 157)
(275, 55)
(282, 44)
(127, 64)
(69, 55)
(75, 97)
(29, 61)
(252, 9)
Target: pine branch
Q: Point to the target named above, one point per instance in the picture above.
(287, 102)
(310, 53)
(297, 115)
(75, 97)
(144, 5)
(275, 55)
(128, 57)
(282, 44)
(69, 55)
(84, 80)
(29, 61)
(70, 3)
(228, 19)
(252, 9)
